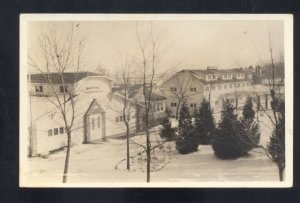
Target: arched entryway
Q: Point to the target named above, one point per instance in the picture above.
(94, 123)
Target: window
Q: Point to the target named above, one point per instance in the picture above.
(93, 123)
(193, 105)
(121, 118)
(55, 131)
(39, 88)
(219, 86)
(173, 89)
(50, 132)
(159, 106)
(230, 86)
(193, 89)
(225, 86)
(98, 122)
(238, 84)
(209, 77)
(213, 77)
(173, 104)
(61, 130)
(61, 88)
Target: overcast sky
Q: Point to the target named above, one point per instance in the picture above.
(191, 44)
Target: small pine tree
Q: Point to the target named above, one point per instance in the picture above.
(204, 123)
(185, 120)
(250, 130)
(227, 142)
(186, 143)
(248, 112)
(276, 146)
(167, 132)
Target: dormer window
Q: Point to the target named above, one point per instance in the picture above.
(39, 88)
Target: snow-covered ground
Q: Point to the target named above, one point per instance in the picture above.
(105, 163)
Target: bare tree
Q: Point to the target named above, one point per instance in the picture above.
(183, 91)
(151, 51)
(57, 54)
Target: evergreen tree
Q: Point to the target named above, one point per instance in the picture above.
(186, 143)
(227, 143)
(167, 132)
(276, 146)
(204, 123)
(248, 112)
(185, 120)
(250, 130)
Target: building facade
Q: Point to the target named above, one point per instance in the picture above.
(98, 111)
(192, 86)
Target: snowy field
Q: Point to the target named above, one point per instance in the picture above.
(104, 163)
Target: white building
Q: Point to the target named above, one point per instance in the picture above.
(98, 111)
(214, 85)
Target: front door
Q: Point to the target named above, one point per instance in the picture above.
(95, 127)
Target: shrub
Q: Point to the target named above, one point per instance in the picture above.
(187, 142)
(167, 132)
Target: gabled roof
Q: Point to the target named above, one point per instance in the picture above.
(218, 71)
(95, 103)
(132, 89)
(55, 78)
(198, 74)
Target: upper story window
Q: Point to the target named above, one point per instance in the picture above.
(39, 88)
(193, 105)
(173, 104)
(173, 89)
(211, 77)
(193, 89)
(61, 88)
(227, 76)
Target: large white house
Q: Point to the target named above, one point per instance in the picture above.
(192, 86)
(98, 111)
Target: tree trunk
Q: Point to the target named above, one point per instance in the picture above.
(148, 154)
(128, 158)
(177, 110)
(280, 169)
(67, 158)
